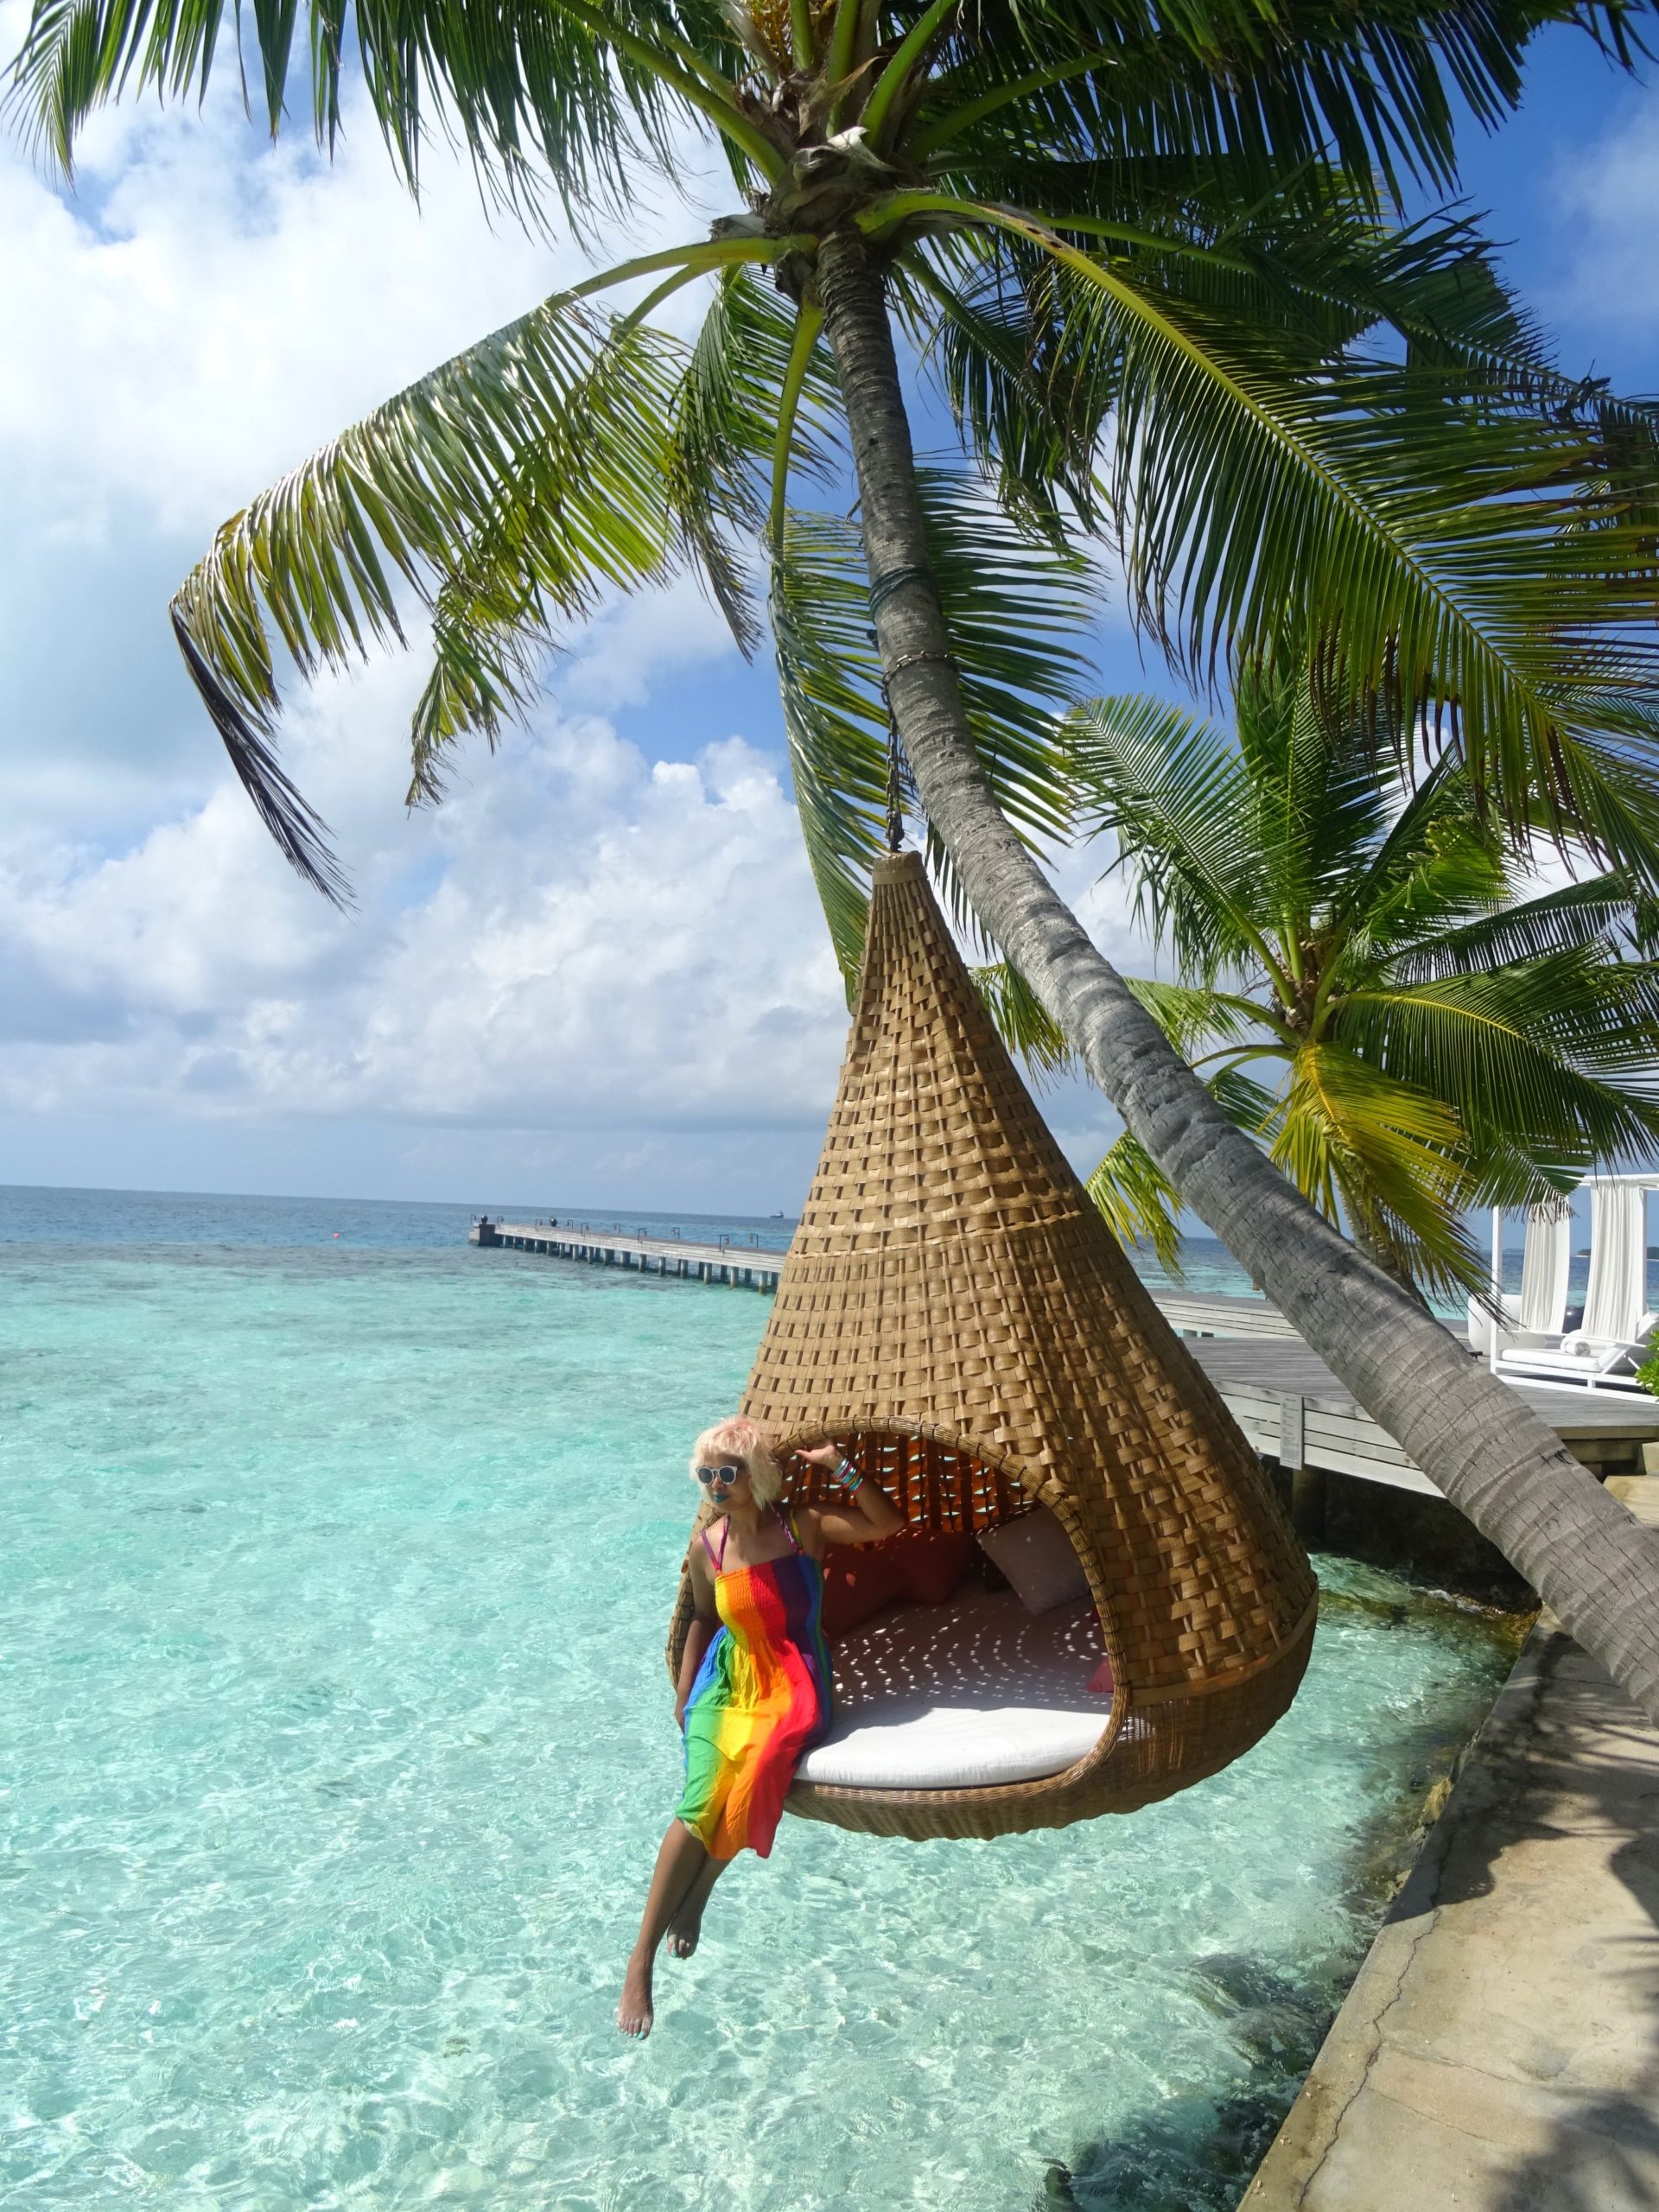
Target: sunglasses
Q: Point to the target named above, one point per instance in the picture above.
(722, 1478)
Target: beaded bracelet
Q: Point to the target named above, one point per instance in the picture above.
(849, 1477)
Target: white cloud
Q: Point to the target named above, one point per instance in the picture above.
(1603, 203)
(585, 938)
(198, 316)
(581, 937)
(625, 650)
(204, 310)
(598, 967)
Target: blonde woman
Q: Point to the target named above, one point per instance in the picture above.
(753, 1688)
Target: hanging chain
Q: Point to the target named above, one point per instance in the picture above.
(895, 779)
(895, 755)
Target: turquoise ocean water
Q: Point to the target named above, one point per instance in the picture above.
(337, 1745)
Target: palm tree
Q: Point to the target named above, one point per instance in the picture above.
(1358, 981)
(1143, 253)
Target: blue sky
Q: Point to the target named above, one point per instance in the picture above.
(599, 974)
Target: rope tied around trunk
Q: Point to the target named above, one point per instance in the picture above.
(895, 759)
(881, 588)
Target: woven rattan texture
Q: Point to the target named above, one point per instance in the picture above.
(950, 1276)
(1154, 1754)
(953, 1309)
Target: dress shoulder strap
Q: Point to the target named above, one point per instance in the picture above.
(717, 1559)
(786, 1522)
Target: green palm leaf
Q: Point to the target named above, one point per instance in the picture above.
(1135, 1197)
(1175, 800)
(515, 485)
(581, 93)
(1362, 1143)
(1555, 1056)
(1017, 615)
(1245, 85)
(1021, 1021)
(1444, 1044)
(1137, 1201)
(491, 617)
(1577, 916)
(1469, 550)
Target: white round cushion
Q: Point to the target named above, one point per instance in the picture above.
(962, 1696)
(951, 1747)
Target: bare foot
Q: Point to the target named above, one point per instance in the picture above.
(634, 2014)
(685, 1928)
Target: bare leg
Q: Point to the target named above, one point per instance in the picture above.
(687, 1925)
(679, 1863)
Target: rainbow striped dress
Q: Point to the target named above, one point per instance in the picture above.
(761, 1698)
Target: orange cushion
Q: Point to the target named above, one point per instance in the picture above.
(935, 1561)
(922, 1565)
(858, 1580)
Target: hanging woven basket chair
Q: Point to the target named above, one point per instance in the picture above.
(955, 1314)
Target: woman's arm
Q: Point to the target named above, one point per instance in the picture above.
(863, 1514)
(700, 1634)
(698, 1638)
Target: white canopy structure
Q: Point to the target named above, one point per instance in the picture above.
(1530, 1340)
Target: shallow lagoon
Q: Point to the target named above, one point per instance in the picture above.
(338, 1743)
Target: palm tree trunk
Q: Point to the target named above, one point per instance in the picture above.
(1473, 1436)
(1379, 1251)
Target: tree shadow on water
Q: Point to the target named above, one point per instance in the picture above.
(1195, 2151)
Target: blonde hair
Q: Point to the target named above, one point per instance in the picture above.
(739, 1437)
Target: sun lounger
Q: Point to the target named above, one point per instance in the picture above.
(1596, 1364)
(1513, 1335)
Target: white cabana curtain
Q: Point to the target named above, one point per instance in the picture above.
(1619, 1261)
(1544, 1268)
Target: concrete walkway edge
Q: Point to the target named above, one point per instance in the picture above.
(1499, 2050)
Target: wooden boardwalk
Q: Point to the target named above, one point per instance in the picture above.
(1283, 1397)
(1293, 1408)
(746, 1267)
(1205, 1313)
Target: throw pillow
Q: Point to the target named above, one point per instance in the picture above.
(1037, 1555)
(934, 1561)
(858, 1580)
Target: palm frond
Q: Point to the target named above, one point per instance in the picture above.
(724, 428)
(1592, 913)
(1017, 614)
(830, 679)
(1435, 865)
(1472, 560)
(512, 488)
(1554, 1056)
(1239, 85)
(583, 93)
(1356, 1140)
(1023, 1023)
(1174, 796)
(491, 626)
(300, 833)
(490, 646)
(1192, 1015)
(1137, 1200)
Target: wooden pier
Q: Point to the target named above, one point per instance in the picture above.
(746, 1267)
(1293, 1410)
(1287, 1401)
